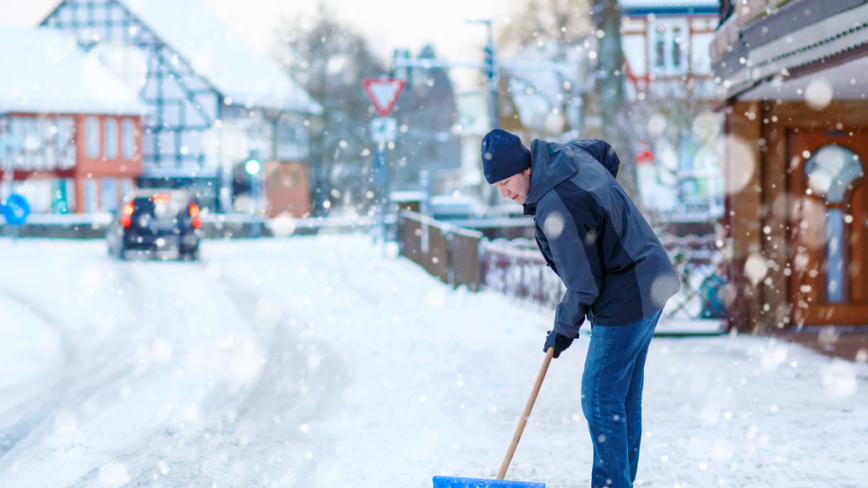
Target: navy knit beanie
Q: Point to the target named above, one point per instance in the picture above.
(503, 155)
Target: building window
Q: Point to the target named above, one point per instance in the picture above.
(110, 138)
(90, 195)
(109, 194)
(660, 48)
(676, 47)
(129, 138)
(58, 197)
(37, 192)
(834, 256)
(126, 187)
(830, 172)
(670, 43)
(37, 143)
(91, 134)
(70, 195)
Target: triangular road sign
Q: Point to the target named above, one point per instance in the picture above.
(384, 92)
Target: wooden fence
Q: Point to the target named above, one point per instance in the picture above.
(448, 252)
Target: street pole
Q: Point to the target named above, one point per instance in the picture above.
(252, 167)
(381, 177)
(493, 79)
(383, 132)
(492, 73)
(226, 177)
(254, 227)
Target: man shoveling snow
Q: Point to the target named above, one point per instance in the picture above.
(615, 270)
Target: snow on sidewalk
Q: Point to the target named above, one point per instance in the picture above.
(431, 381)
(441, 377)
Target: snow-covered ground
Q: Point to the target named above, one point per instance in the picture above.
(324, 362)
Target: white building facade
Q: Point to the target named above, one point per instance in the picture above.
(666, 46)
(671, 83)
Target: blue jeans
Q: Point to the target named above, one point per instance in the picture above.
(612, 399)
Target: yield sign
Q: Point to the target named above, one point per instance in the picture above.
(384, 92)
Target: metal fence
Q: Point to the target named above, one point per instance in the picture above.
(699, 262)
(516, 268)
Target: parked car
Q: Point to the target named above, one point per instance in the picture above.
(156, 220)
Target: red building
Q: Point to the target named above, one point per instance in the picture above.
(70, 132)
(287, 189)
(109, 160)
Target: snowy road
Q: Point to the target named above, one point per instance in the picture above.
(318, 362)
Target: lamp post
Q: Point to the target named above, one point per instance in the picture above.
(252, 166)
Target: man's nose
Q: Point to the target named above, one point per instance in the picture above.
(502, 192)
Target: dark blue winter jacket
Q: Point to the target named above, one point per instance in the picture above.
(593, 236)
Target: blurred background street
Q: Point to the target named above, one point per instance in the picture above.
(251, 244)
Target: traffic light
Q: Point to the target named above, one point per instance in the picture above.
(401, 72)
(252, 166)
(490, 53)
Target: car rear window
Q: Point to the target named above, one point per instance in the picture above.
(159, 206)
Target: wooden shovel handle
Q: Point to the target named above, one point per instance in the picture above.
(530, 401)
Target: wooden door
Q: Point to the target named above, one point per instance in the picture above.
(828, 219)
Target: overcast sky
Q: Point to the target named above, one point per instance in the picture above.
(388, 24)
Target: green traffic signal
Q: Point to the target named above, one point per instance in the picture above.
(252, 166)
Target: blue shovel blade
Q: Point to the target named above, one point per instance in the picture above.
(445, 482)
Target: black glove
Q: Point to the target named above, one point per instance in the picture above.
(558, 341)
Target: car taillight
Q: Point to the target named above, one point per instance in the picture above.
(194, 210)
(197, 222)
(160, 198)
(128, 209)
(126, 221)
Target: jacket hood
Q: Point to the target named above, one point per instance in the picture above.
(553, 163)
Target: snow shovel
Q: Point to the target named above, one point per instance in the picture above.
(446, 482)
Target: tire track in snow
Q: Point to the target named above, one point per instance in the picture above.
(273, 395)
(55, 387)
(257, 405)
(156, 285)
(102, 371)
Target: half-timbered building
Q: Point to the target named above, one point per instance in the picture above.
(215, 102)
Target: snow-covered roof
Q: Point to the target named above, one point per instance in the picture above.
(45, 72)
(221, 56)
